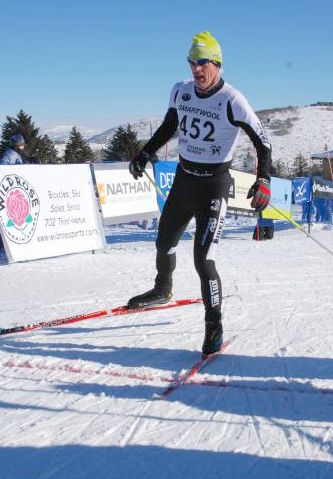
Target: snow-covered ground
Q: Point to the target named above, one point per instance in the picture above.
(77, 401)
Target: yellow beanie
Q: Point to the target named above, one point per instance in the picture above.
(205, 46)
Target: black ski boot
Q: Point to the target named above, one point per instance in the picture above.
(213, 338)
(151, 297)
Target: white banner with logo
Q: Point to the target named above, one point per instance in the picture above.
(48, 210)
(123, 198)
(238, 202)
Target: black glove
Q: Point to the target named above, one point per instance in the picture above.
(138, 164)
(261, 192)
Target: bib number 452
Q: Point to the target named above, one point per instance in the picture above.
(197, 129)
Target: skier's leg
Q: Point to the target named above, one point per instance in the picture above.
(210, 221)
(173, 221)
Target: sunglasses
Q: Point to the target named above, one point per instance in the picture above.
(201, 62)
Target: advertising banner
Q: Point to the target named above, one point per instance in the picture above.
(280, 199)
(48, 210)
(122, 198)
(322, 188)
(238, 202)
(241, 182)
(301, 188)
(164, 175)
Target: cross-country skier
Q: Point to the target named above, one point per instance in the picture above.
(209, 114)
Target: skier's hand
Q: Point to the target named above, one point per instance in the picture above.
(138, 164)
(261, 193)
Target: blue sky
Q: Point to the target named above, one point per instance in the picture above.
(99, 63)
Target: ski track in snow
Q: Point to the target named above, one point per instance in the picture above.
(77, 401)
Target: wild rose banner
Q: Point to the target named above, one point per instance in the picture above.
(48, 210)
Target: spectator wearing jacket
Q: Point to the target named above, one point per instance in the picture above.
(12, 155)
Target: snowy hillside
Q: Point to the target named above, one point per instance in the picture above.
(295, 130)
(143, 128)
(60, 133)
(292, 130)
(77, 401)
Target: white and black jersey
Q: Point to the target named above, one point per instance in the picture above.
(209, 126)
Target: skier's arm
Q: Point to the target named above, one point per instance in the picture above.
(164, 133)
(240, 114)
(161, 136)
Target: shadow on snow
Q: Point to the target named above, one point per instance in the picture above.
(137, 462)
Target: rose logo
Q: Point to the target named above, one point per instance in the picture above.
(18, 208)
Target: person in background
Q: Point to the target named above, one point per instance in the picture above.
(209, 113)
(264, 229)
(12, 155)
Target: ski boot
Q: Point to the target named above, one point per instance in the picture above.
(150, 298)
(213, 338)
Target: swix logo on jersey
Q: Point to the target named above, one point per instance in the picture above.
(214, 292)
(186, 97)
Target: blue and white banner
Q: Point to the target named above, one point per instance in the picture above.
(164, 175)
(302, 190)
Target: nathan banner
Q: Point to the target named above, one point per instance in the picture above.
(238, 202)
(280, 199)
(48, 210)
(122, 198)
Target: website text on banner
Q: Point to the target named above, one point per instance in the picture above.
(121, 197)
(48, 210)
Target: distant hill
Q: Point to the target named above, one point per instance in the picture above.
(292, 130)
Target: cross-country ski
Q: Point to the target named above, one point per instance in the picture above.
(183, 378)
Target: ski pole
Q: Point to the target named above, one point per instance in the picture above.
(299, 227)
(157, 188)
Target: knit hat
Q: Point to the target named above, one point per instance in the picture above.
(17, 140)
(205, 46)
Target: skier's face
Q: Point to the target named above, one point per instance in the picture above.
(206, 75)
